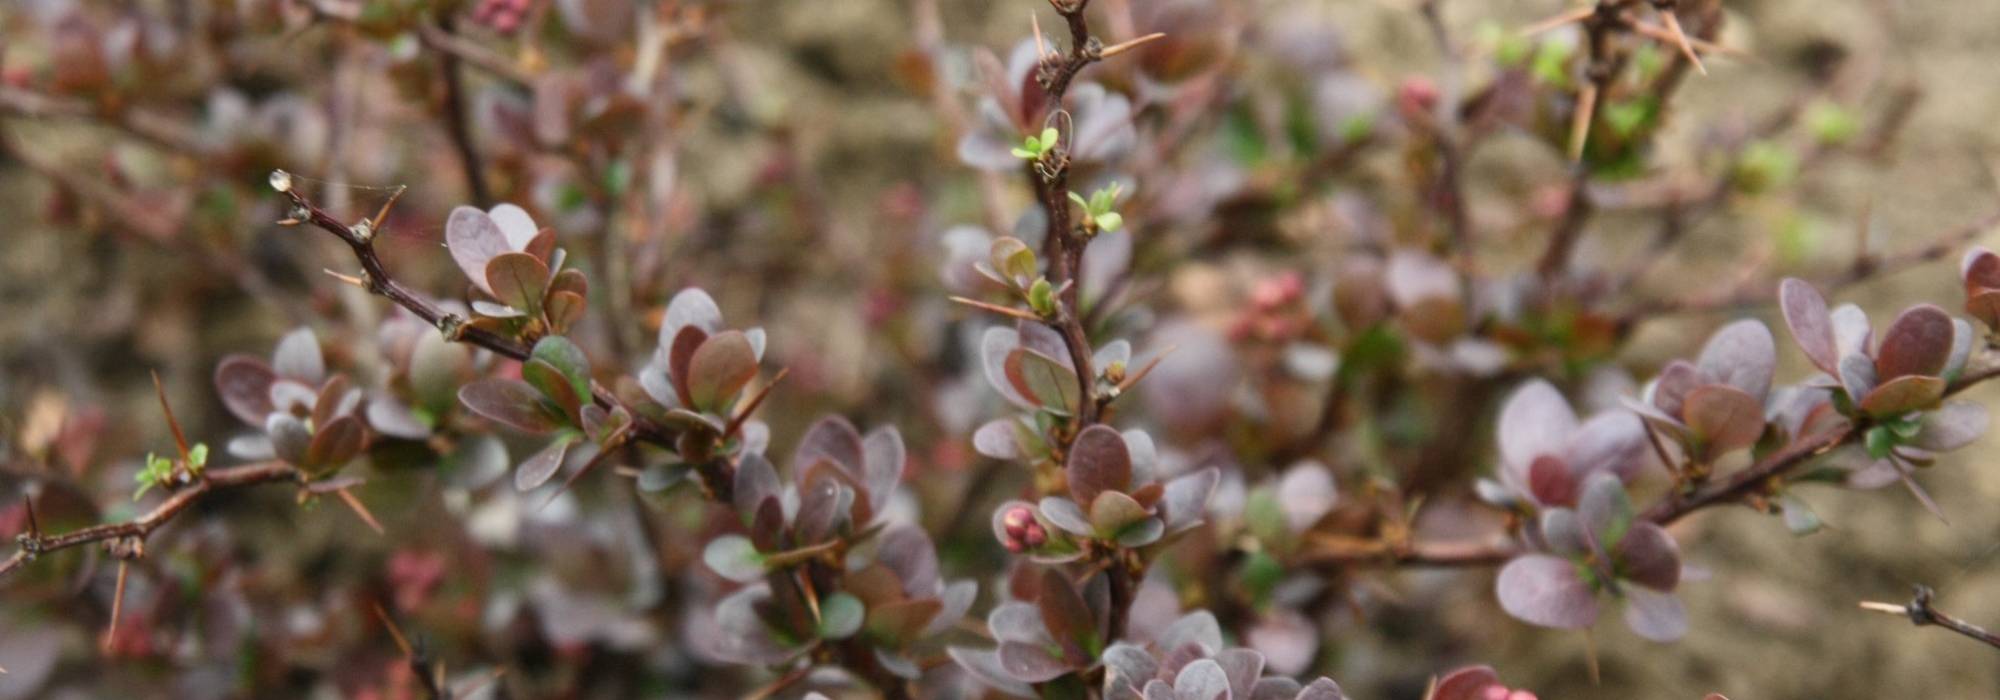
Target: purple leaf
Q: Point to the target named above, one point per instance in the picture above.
(883, 459)
(1321, 689)
(755, 481)
(542, 465)
(691, 307)
(518, 280)
(1199, 627)
(1201, 680)
(510, 402)
(298, 357)
(833, 439)
(985, 665)
(1029, 663)
(1098, 462)
(1953, 426)
(1648, 556)
(1811, 326)
(1671, 388)
(1724, 417)
(244, 383)
(994, 347)
(1902, 395)
(995, 439)
(336, 442)
(908, 552)
(1286, 638)
(1186, 497)
(1741, 355)
(1018, 622)
(289, 437)
(1551, 482)
(1469, 683)
(474, 238)
(733, 557)
(1043, 380)
(1613, 441)
(515, 225)
(390, 417)
(1655, 616)
(719, 369)
(1545, 590)
(1535, 421)
(1857, 375)
(1851, 331)
(1918, 342)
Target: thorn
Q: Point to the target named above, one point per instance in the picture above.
(1041, 46)
(1570, 17)
(1132, 379)
(117, 607)
(1681, 39)
(996, 308)
(1658, 33)
(1884, 608)
(350, 279)
(34, 528)
(394, 631)
(375, 224)
(1128, 45)
(1579, 128)
(355, 504)
(180, 440)
(755, 401)
(578, 474)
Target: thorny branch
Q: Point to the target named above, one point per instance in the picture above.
(1921, 613)
(34, 543)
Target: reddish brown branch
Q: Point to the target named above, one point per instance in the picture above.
(34, 544)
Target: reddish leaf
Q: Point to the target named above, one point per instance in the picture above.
(336, 442)
(1042, 380)
(542, 465)
(719, 369)
(1917, 343)
(1903, 395)
(517, 280)
(512, 403)
(686, 342)
(244, 383)
(1098, 462)
(1069, 621)
(1550, 482)
(1724, 417)
(1811, 325)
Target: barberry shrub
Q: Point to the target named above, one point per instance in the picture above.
(1183, 337)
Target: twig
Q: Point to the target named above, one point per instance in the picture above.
(33, 545)
(455, 120)
(1921, 613)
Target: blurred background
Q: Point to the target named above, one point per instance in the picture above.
(800, 162)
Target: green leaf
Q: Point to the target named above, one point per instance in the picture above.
(198, 456)
(1041, 297)
(840, 616)
(1880, 441)
(734, 558)
(1110, 221)
(1049, 138)
(567, 359)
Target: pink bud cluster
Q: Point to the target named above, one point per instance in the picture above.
(1276, 312)
(1023, 532)
(504, 16)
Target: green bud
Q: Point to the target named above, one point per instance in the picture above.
(1042, 297)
